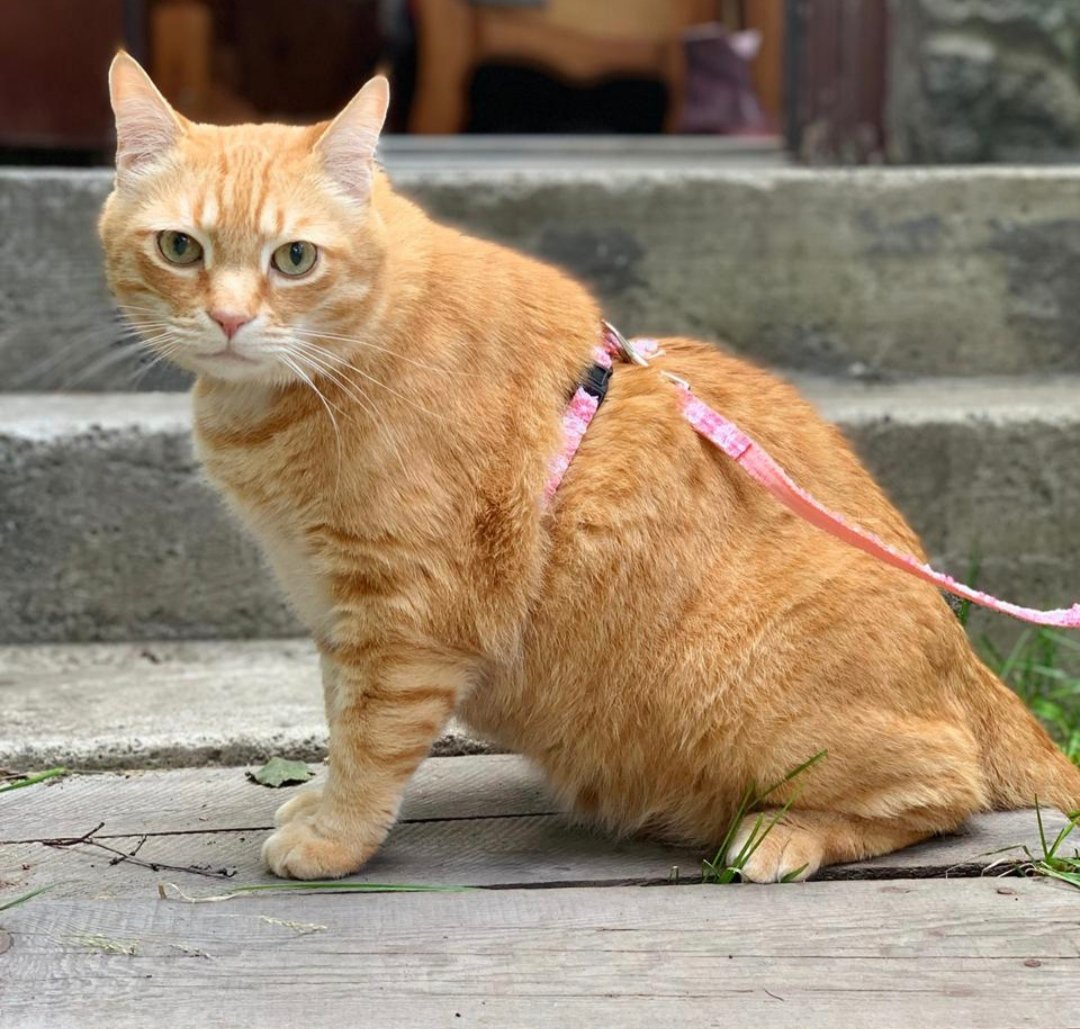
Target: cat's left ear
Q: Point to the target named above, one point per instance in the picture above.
(347, 147)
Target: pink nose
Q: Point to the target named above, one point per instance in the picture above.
(230, 322)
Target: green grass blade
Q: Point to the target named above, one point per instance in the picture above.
(717, 865)
(740, 861)
(793, 774)
(1062, 836)
(1016, 655)
(753, 841)
(347, 887)
(1043, 669)
(791, 876)
(1072, 878)
(32, 780)
(25, 897)
(974, 567)
(1042, 831)
(1069, 642)
(723, 869)
(318, 886)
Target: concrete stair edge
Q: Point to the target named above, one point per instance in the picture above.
(167, 704)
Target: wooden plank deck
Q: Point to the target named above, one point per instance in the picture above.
(879, 945)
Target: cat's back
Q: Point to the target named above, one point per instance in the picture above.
(640, 444)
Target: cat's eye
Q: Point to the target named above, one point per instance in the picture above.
(296, 258)
(179, 247)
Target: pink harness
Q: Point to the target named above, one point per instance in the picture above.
(764, 470)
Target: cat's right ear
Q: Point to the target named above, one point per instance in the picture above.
(146, 126)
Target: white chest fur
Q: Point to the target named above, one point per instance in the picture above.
(295, 570)
(256, 483)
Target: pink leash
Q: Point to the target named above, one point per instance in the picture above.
(765, 471)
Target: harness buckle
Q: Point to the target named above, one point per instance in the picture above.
(596, 382)
(626, 349)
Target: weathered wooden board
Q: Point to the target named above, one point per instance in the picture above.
(540, 850)
(468, 821)
(536, 850)
(972, 953)
(209, 799)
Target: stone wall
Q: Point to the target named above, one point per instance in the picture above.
(984, 80)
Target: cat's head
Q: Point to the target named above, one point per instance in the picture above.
(242, 252)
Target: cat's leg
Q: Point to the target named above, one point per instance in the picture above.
(886, 781)
(801, 842)
(386, 706)
(307, 800)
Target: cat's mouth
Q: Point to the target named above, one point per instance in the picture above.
(227, 363)
(229, 355)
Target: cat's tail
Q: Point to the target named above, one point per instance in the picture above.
(1021, 762)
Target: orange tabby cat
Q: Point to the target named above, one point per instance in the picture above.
(379, 398)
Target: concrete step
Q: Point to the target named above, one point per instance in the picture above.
(403, 154)
(108, 532)
(908, 272)
(159, 705)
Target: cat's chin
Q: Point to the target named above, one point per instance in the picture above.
(233, 367)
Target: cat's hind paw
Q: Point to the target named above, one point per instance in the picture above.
(786, 853)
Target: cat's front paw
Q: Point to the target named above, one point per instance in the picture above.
(304, 803)
(300, 849)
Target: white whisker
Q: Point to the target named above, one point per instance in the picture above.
(344, 365)
(289, 363)
(123, 352)
(164, 352)
(356, 394)
(441, 369)
(351, 390)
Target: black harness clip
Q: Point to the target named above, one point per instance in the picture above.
(595, 382)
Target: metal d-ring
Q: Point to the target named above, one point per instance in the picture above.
(626, 348)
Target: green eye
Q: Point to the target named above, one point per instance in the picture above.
(179, 247)
(296, 258)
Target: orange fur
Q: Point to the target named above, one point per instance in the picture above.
(662, 637)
